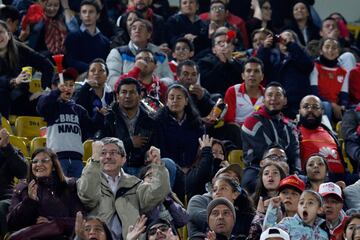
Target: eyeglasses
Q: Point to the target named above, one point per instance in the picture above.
(43, 161)
(311, 107)
(162, 228)
(111, 153)
(218, 9)
(275, 157)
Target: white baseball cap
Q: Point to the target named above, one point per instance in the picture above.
(274, 232)
(328, 188)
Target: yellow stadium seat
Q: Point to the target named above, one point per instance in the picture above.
(338, 130)
(236, 157)
(87, 150)
(37, 142)
(29, 127)
(6, 124)
(20, 144)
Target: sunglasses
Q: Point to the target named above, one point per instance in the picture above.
(162, 228)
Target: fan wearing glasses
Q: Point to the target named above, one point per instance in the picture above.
(46, 201)
(316, 138)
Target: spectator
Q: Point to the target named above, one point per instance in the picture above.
(268, 182)
(104, 174)
(288, 64)
(330, 81)
(351, 133)
(144, 71)
(258, 38)
(306, 224)
(220, 65)
(160, 229)
(88, 43)
(210, 158)
(197, 225)
(231, 19)
(276, 154)
(48, 36)
(354, 85)
(179, 120)
(95, 95)
(302, 23)
(46, 204)
(230, 189)
(188, 73)
(11, 16)
(144, 8)
(261, 18)
(186, 23)
(356, 233)
(68, 125)
(274, 233)
(316, 138)
(333, 204)
(316, 170)
(91, 228)
(245, 98)
(221, 218)
(183, 50)
(350, 226)
(268, 122)
(128, 120)
(122, 59)
(13, 81)
(12, 164)
(124, 22)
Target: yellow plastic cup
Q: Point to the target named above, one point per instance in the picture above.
(29, 70)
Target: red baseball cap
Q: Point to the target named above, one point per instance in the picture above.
(292, 181)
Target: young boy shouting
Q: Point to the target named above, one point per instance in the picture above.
(306, 224)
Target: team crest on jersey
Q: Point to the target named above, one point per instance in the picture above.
(328, 152)
(340, 79)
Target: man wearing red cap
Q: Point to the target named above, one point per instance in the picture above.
(333, 204)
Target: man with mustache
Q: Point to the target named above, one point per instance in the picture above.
(316, 138)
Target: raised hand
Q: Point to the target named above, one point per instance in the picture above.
(136, 230)
(32, 190)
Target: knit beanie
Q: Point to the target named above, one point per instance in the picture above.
(220, 201)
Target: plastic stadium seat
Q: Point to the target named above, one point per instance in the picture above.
(28, 127)
(20, 144)
(87, 150)
(37, 142)
(6, 124)
(236, 157)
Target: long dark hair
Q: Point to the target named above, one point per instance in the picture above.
(260, 190)
(192, 113)
(57, 172)
(12, 53)
(243, 203)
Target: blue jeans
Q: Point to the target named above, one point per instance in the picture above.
(71, 167)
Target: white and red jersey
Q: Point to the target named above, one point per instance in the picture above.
(240, 105)
(330, 81)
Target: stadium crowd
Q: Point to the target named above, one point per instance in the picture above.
(219, 119)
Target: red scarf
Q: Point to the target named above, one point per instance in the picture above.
(55, 34)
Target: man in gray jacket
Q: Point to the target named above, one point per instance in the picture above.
(111, 194)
